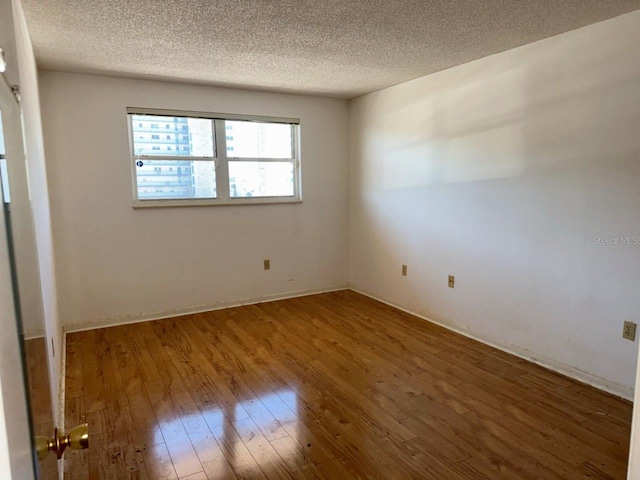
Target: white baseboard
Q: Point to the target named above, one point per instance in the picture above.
(567, 370)
(33, 334)
(129, 319)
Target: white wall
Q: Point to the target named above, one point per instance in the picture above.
(117, 264)
(45, 283)
(501, 172)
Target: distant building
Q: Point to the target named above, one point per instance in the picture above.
(171, 137)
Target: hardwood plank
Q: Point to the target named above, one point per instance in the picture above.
(184, 458)
(295, 457)
(333, 468)
(73, 368)
(209, 453)
(196, 476)
(485, 470)
(235, 451)
(263, 453)
(158, 463)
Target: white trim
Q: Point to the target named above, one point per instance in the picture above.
(59, 422)
(33, 335)
(161, 112)
(633, 467)
(222, 166)
(131, 319)
(132, 162)
(62, 385)
(221, 159)
(5, 460)
(263, 159)
(208, 202)
(174, 158)
(559, 367)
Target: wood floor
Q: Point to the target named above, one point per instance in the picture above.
(331, 386)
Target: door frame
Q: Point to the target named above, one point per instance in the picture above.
(15, 437)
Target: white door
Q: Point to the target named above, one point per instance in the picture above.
(17, 443)
(25, 400)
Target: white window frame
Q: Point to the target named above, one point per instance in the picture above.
(220, 158)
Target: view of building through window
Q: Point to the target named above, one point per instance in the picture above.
(246, 143)
(173, 137)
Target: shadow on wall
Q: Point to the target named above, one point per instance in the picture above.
(468, 132)
(507, 169)
(495, 123)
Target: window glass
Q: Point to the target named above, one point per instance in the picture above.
(167, 179)
(197, 142)
(260, 179)
(259, 140)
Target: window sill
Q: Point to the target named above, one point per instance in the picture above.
(142, 204)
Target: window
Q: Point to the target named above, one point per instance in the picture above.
(206, 165)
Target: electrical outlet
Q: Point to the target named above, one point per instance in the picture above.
(629, 331)
(267, 264)
(404, 270)
(452, 281)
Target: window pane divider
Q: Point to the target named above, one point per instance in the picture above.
(182, 158)
(255, 159)
(222, 170)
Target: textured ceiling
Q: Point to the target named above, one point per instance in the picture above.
(326, 47)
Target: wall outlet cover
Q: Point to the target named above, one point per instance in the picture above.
(629, 331)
